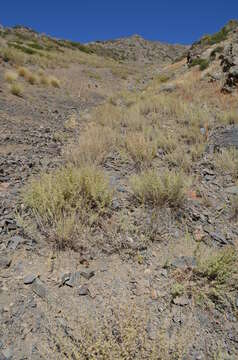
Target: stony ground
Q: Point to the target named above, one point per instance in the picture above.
(135, 280)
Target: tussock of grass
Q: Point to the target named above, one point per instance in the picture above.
(121, 335)
(159, 189)
(167, 142)
(220, 267)
(16, 89)
(71, 122)
(181, 159)
(13, 56)
(93, 145)
(24, 72)
(54, 82)
(44, 80)
(32, 78)
(10, 76)
(227, 161)
(203, 63)
(229, 117)
(67, 197)
(140, 148)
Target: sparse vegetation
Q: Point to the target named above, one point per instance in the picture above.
(54, 82)
(159, 189)
(140, 148)
(16, 89)
(89, 151)
(220, 269)
(22, 71)
(216, 51)
(227, 161)
(123, 165)
(32, 78)
(66, 197)
(11, 76)
(215, 38)
(203, 63)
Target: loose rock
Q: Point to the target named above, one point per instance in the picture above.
(39, 288)
(29, 279)
(181, 300)
(83, 290)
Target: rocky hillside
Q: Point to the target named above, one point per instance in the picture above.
(131, 49)
(118, 200)
(137, 49)
(219, 54)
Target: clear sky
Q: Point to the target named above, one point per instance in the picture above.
(173, 21)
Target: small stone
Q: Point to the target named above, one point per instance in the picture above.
(29, 279)
(2, 357)
(115, 205)
(233, 190)
(237, 302)
(121, 189)
(153, 294)
(168, 88)
(73, 280)
(181, 300)
(5, 262)
(218, 237)
(64, 278)
(39, 288)
(184, 262)
(7, 353)
(199, 234)
(87, 274)
(83, 290)
(14, 242)
(164, 272)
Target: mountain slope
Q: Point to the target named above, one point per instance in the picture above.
(137, 49)
(118, 201)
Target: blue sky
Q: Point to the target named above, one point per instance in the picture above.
(173, 21)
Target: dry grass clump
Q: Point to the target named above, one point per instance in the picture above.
(93, 146)
(108, 115)
(16, 89)
(119, 334)
(10, 76)
(13, 56)
(169, 106)
(67, 197)
(71, 122)
(180, 159)
(219, 268)
(229, 117)
(168, 142)
(44, 80)
(54, 81)
(159, 189)
(23, 72)
(32, 78)
(227, 161)
(140, 148)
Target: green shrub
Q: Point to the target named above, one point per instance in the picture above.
(217, 50)
(36, 46)
(22, 48)
(219, 267)
(215, 38)
(203, 63)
